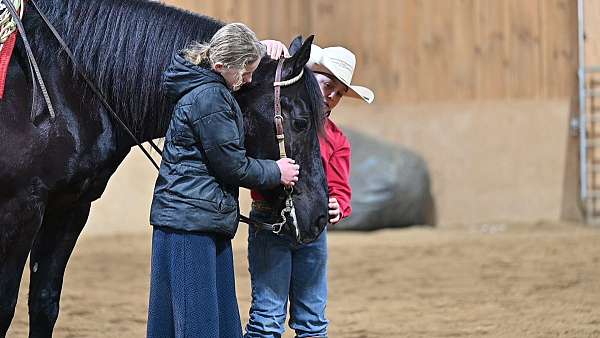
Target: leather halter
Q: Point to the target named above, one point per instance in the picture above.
(278, 118)
(277, 103)
(289, 208)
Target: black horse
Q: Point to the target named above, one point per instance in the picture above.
(51, 169)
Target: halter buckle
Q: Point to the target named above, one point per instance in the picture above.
(278, 226)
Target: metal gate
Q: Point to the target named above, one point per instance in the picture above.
(589, 127)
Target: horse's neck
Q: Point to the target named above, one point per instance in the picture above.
(126, 59)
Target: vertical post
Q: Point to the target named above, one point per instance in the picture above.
(582, 105)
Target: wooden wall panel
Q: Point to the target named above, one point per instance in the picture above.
(491, 52)
(463, 74)
(592, 31)
(524, 75)
(405, 59)
(559, 47)
(434, 38)
(433, 50)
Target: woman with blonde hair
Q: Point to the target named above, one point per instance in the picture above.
(194, 210)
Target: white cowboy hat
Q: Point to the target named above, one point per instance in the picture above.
(339, 62)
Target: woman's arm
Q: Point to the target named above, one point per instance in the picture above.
(216, 130)
(219, 136)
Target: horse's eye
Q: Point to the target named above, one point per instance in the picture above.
(300, 124)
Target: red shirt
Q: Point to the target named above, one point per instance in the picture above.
(335, 153)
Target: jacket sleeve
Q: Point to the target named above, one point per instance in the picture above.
(338, 175)
(219, 136)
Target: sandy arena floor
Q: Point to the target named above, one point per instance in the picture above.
(515, 280)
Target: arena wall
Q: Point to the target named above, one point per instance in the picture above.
(431, 50)
(483, 90)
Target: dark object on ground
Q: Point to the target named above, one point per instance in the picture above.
(390, 186)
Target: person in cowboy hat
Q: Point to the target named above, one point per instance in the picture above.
(281, 270)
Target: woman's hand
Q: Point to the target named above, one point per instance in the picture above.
(275, 49)
(335, 214)
(289, 171)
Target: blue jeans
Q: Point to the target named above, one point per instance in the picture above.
(278, 270)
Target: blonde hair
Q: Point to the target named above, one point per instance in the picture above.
(234, 45)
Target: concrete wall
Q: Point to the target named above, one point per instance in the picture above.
(489, 161)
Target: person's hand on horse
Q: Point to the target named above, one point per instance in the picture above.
(289, 171)
(275, 49)
(335, 214)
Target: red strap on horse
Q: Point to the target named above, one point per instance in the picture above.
(5, 55)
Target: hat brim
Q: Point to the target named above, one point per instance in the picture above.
(354, 91)
(360, 92)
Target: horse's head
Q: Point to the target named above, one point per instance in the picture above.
(302, 110)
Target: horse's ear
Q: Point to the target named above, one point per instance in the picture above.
(296, 44)
(302, 56)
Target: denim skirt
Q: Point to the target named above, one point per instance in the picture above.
(192, 286)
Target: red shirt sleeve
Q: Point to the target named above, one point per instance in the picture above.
(336, 153)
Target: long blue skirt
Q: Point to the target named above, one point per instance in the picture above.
(192, 287)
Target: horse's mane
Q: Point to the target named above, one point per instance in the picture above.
(124, 46)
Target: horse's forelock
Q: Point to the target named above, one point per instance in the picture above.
(315, 100)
